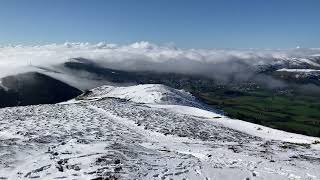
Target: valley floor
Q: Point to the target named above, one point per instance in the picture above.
(111, 138)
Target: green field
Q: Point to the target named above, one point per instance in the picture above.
(294, 113)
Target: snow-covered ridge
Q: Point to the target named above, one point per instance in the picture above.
(146, 93)
(180, 101)
(94, 137)
(298, 70)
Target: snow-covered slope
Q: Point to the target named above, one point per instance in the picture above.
(299, 70)
(146, 132)
(299, 62)
(146, 93)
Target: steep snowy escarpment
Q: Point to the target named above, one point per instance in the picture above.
(146, 132)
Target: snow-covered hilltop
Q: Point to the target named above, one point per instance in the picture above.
(146, 132)
(147, 94)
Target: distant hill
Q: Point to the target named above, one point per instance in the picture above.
(34, 88)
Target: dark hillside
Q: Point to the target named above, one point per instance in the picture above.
(34, 88)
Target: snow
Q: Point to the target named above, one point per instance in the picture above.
(181, 102)
(309, 62)
(146, 132)
(2, 86)
(146, 93)
(243, 126)
(267, 133)
(299, 70)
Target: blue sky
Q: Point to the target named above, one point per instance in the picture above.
(187, 23)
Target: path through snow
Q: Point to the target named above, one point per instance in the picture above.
(120, 139)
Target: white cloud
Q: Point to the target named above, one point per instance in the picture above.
(141, 56)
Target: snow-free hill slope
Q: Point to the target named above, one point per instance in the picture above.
(149, 135)
(34, 88)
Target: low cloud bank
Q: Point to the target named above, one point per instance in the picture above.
(221, 64)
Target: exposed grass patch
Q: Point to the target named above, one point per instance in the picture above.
(294, 113)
